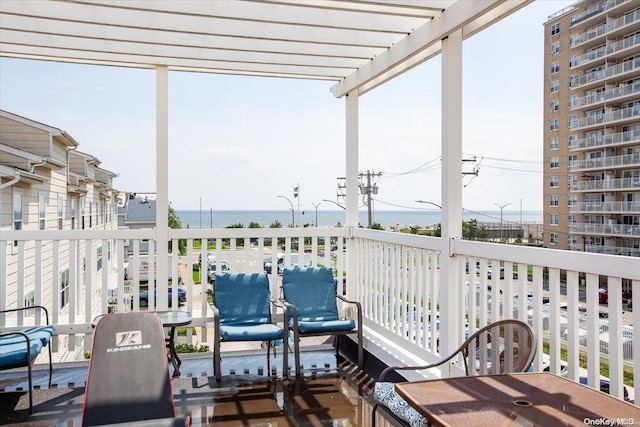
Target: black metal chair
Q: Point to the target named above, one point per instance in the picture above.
(501, 347)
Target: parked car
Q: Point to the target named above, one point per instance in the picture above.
(210, 258)
(211, 275)
(603, 296)
(629, 305)
(267, 264)
(144, 297)
(604, 387)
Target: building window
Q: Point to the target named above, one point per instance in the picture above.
(554, 144)
(17, 213)
(572, 218)
(82, 213)
(42, 202)
(573, 101)
(554, 124)
(555, 86)
(573, 60)
(555, 29)
(99, 258)
(90, 214)
(555, 48)
(553, 200)
(64, 287)
(572, 200)
(572, 160)
(572, 180)
(553, 238)
(572, 120)
(555, 67)
(572, 140)
(72, 212)
(30, 301)
(554, 162)
(553, 219)
(554, 182)
(60, 212)
(555, 105)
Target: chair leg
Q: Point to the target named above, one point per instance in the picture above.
(30, 385)
(216, 360)
(50, 364)
(296, 349)
(269, 356)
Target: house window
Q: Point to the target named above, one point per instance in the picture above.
(555, 29)
(42, 202)
(554, 124)
(555, 48)
(60, 212)
(553, 200)
(553, 238)
(555, 105)
(90, 214)
(555, 181)
(555, 67)
(99, 258)
(17, 213)
(554, 162)
(555, 86)
(64, 287)
(82, 212)
(554, 144)
(72, 211)
(553, 219)
(30, 301)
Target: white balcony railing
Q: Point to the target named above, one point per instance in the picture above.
(606, 96)
(600, 207)
(606, 184)
(606, 140)
(599, 76)
(609, 49)
(626, 160)
(622, 230)
(604, 29)
(594, 10)
(415, 290)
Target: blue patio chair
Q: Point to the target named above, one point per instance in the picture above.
(20, 347)
(310, 296)
(501, 347)
(242, 312)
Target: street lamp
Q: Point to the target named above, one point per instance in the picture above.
(293, 221)
(501, 208)
(429, 203)
(316, 206)
(335, 203)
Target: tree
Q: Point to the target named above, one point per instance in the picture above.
(175, 223)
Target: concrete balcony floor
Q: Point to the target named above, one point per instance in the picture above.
(332, 392)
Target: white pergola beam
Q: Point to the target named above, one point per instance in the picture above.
(394, 61)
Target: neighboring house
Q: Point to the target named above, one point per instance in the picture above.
(136, 211)
(47, 184)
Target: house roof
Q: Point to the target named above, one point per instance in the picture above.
(140, 209)
(356, 44)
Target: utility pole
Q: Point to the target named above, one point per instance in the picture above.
(367, 190)
(501, 209)
(296, 195)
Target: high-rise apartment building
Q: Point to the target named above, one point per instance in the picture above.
(592, 128)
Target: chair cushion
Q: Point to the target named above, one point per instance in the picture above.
(312, 291)
(14, 353)
(385, 394)
(243, 299)
(264, 332)
(306, 327)
(42, 333)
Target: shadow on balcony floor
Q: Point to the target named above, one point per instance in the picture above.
(329, 394)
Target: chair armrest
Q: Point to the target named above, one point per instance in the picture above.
(390, 369)
(40, 307)
(290, 308)
(356, 303)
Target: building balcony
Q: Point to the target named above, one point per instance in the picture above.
(606, 207)
(619, 95)
(396, 277)
(611, 29)
(610, 51)
(617, 184)
(612, 162)
(611, 117)
(596, 12)
(624, 71)
(609, 140)
(617, 230)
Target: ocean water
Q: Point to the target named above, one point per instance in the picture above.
(327, 218)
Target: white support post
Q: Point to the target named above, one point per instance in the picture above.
(162, 187)
(352, 185)
(451, 189)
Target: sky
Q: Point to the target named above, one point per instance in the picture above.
(237, 143)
